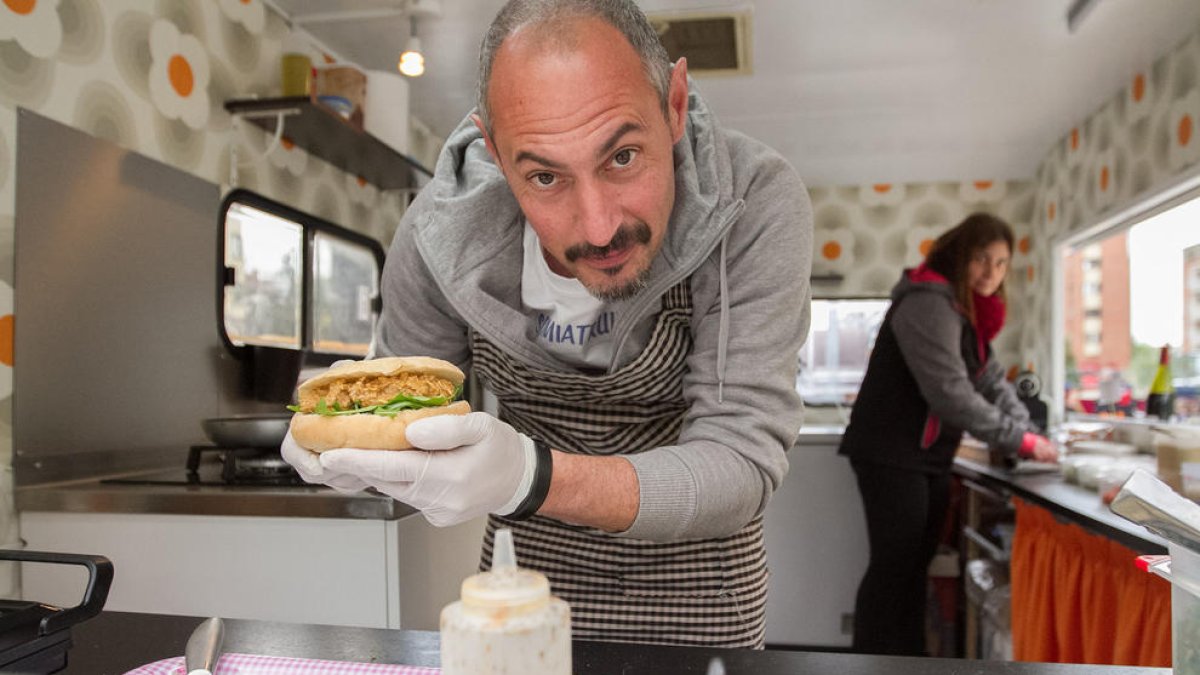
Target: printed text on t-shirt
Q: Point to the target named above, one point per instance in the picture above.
(575, 334)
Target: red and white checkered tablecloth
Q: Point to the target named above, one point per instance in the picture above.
(252, 664)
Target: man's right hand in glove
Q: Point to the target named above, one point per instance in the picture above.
(308, 465)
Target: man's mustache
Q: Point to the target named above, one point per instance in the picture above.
(625, 236)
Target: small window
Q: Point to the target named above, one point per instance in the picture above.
(265, 258)
(345, 290)
(834, 359)
(295, 281)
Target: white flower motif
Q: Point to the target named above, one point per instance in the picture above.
(988, 191)
(179, 74)
(360, 191)
(920, 240)
(1185, 130)
(287, 156)
(6, 340)
(1137, 98)
(834, 250)
(1104, 179)
(249, 13)
(881, 194)
(34, 24)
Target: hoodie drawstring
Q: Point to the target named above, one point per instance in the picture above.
(723, 332)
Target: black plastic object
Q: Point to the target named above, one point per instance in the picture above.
(35, 637)
(275, 371)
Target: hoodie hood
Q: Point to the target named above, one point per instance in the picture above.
(921, 278)
(469, 232)
(989, 310)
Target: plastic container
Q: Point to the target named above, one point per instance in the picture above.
(1179, 461)
(295, 67)
(506, 622)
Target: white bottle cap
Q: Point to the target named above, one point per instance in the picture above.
(506, 586)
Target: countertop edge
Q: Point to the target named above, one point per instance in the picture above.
(1049, 490)
(292, 502)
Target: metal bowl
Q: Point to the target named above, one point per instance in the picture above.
(247, 431)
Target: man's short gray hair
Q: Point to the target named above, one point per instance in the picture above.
(624, 15)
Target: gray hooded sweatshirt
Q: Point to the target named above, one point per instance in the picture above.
(741, 229)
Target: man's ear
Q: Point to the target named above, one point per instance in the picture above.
(487, 140)
(677, 100)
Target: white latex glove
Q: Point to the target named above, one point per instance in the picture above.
(308, 465)
(474, 464)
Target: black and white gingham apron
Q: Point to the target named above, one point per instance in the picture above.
(696, 592)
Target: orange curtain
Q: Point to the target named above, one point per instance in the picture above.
(1078, 598)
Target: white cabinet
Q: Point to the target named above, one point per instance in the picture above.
(816, 548)
(356, 572)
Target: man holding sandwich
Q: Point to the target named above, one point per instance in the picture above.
(631, 281)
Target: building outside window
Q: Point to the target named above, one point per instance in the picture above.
(1126, 296)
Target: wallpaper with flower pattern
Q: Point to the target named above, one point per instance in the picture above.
(152, 76)
(1144, 138)
(867, 235)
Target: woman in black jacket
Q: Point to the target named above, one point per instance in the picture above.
(931, 376)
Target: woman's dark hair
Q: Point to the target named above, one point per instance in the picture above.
(952, 252)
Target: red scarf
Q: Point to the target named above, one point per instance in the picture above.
(989, 309)
(989, 319)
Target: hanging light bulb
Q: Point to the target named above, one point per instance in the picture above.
(412, 61)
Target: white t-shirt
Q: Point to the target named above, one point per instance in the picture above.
(569, 322)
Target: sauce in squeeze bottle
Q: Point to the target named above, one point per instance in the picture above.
(506, 622)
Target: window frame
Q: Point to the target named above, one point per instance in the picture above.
(310, 226)
(1156, 199)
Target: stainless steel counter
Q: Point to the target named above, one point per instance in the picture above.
(208, 500)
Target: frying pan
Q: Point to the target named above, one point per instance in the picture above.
(248, 431)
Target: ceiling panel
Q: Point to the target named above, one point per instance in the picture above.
(854, 91)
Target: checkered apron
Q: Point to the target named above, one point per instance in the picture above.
(709, 592)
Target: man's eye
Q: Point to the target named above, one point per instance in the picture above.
(624, 157)
(544, 179)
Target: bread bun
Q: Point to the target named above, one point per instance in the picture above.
(319, 433)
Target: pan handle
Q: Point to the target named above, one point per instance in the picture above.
(100, 576)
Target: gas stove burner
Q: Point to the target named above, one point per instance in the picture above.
(246, 466)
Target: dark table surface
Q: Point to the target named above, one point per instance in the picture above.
(115, 642)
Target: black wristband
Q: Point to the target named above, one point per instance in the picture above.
(541, 483)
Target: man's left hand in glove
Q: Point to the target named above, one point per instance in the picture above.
(468, 466)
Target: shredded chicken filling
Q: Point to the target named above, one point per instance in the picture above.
(375, 390)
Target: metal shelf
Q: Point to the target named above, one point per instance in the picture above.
(986, 545)
(325, 134)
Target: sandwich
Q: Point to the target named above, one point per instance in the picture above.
(368, 404)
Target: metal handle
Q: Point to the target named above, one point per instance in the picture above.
(204, 647)
(100, 576)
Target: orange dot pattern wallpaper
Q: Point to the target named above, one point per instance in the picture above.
(867, 235)
(1138, 142)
